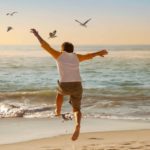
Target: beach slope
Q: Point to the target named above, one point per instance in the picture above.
(112, 140)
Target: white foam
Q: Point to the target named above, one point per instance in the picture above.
(7, 110)
(25, 111)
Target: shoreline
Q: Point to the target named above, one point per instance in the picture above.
(116, 140)
(16, 130)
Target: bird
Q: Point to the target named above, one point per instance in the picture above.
(11, 14)
(84, 23)
(9, 28)
(52, 34)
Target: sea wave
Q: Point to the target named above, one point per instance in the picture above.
(90, 95)
(97, 103)
(12, 111)
(41, 96)
(115, 117)
(15, 111)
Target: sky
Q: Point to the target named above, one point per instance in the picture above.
(114, 22)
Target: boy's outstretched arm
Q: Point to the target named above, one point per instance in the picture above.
(45, 45)
(83, 57)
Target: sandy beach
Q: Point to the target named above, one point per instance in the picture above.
(51, 134)
(74, 75)
(112, 140)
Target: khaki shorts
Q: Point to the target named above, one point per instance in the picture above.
(74, 90)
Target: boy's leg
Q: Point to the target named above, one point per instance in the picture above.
(77, 117)
(59, 101)
(76, 104)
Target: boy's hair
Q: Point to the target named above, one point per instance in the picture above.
(68, 47)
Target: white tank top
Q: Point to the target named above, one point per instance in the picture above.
(68, 67)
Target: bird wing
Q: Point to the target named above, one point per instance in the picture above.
(13, 13)
(78, 21)
(9, 28)
(50, 34)
(87, 21)
(54, 32)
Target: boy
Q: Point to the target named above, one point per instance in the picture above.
(70, 80)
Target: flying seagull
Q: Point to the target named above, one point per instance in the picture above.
(11, 14)
(84, 23)
(52, 34)
(9, 28)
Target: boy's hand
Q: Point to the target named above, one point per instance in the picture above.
(34, 31)
(103, 52)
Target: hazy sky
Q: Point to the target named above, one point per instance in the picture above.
(113, 21)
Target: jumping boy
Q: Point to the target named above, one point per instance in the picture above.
(70, 81)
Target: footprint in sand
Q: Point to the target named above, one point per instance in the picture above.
(93, 138)
(54, 149)
(115, 147)
(45, 147)
(112, 149)
(137, 147)
(127, 143)
(93, 144)
(92, 147)
(48, 148)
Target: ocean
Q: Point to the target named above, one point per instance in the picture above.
(115, 87)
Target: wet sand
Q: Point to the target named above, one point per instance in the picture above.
(111, 140)
(55, 134)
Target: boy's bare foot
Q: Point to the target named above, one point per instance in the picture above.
(76, 133)
(57, 113)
